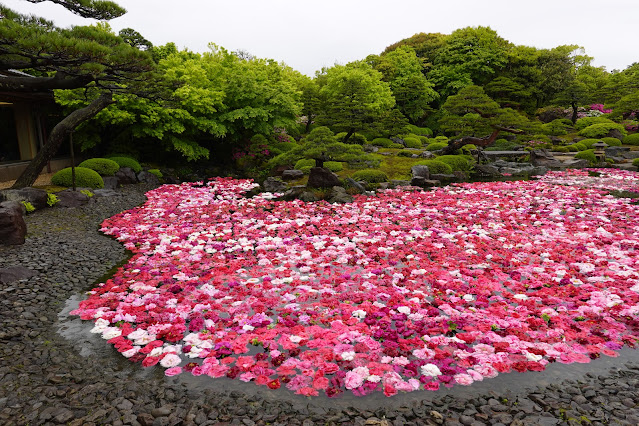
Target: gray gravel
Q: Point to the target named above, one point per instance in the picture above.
(46, 378)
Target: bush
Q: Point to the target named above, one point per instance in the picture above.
(589, 155)
(156, 172)
(334, 166)
(396, 146)
(406, 153)
(503, 145)
(127, 162)
(631, 139)
(561, 149)
(420, 131)
(456, 162)
(370, 176)
(467, 148)
(304, 162)
(436, 146)
(572, 148)
(412, 142)
(584, 122)
(611, 141)
(578, 147)
(587, 143)
(83, 177)
(103, 166)
(356, 138)
(635, 162)
(424, 140)
(602, 129)
(436, 167)
(283, 146)
(382, 142)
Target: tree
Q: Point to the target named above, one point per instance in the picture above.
(77, 57)
(354, 95)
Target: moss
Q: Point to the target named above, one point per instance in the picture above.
(611, 141)
(456, 162)
(420, 131)
(589, 155)
(383, 142)
(303, 163)
(631, 139)
(436, 146)
(370, 176)
(436, 167)
(561, 149)
(127, 162)
(635, 162)
(83, 177)
(156, 172)
(334, 166)
(103, 166)
(588, 142)
(412, 142)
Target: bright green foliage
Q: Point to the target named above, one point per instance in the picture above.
(611, 141)
(467, 148)
(635, 162)
(456, 162)
(156, 172)
(28, 206)
(280, 147)
(561, 149)
(631, 139)
(83, 177)
(441, 139)
(584, 122)
(555, 128)
(589, 155)
(52, 199)
(412, 142)
(357, 138)
(127, 162)
(406, 153)
(370, 176)
(383, 142)
(420, 131)
(507, 92)
(436, 146)
(627, 104)
(577, 147)
(354, 96)
(601, 130)
(303, 163)
(436, 167)
(103, 166)
(588, 142)
(87, 193)
(334, 166)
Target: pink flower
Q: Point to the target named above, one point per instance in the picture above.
(172, 371)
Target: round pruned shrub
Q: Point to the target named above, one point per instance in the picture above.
(468, 147)
(584, 122)
(83, 178)
(127, 162)
(412, 142)
(156, 172)
(382, 142)
(424, 140)
(611, 141)
(303, 163)
(602, 129)
(370, 176)
(561, 149)
(575, 147)
(572, 148)
(555, 128)
(103, 166)
(635, 162)
(456, 162)
(436, 167)
(588, 142)
(631, 139)
(589, 155)
(436, 146)
(420, 131)
(334, 166)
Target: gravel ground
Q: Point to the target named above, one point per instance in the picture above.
(46, 378)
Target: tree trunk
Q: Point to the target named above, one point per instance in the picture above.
(348, 136)
(574, 112)
(319, 162)
(309, 123)
(57, 136)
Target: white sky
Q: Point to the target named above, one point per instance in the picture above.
(309, 35)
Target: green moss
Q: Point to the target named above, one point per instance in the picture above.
(631, 139)
(83, 177)
(420, 131)
(28, 206)
(304, 163)
(127, 162)
(412, 142)
(611, 141)
(383, 142)
(588, 142)
(370, 176)
(635, 162)
(602, 129)
(103, 166)
(436, 167)
(589, 155)
(561, 149)
(334, 166)
(456, 162)
(436, 146)
(156, 172)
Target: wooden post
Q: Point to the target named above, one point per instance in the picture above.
(72, 160)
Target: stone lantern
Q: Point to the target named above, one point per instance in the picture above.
(599, 150)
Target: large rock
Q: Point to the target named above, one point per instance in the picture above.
(616, 151)
(37, 197)
(576, 163)
(15, 273)
(615, 133)
(443, 177)
(146, 177)
(420, 171)
(487, 170)
(292, 174)
(110, 182)
(321, 177)
(630, 155)
(272, 184)
(543, 157)
(293, 193)
(353, 184)
(307, 196)
(126, 176)
(70, 198)
(427, 154)
(100, 193)
(339, 195)
(396, 183)
(424, 183)
(13, 228)
(369, 148)
(399, 141)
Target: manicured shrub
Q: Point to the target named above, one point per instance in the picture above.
(572, 148)
(561, 149)
(83, 177)
(611, 141)
(602, 129)
(584, 122)
(406, 153)
(635, 162)
(589, 155)
(382, 142)
(555, 128)
(156, 172)
(468, 147)
(578, 146)
(456, 162)
(412, 142)
(396, 146)
(103, 166)
(334, 166)
(588, 142)
(631, 139)
(436, 146)
(357, 138)
(420, 131)
(436, 167)
(424, 140)
(304, 162)
(370, 176)
(128, 162)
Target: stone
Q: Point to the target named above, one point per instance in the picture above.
(443, 177)
(420, 171)
(146, 177)
(427, 154)
(37, 197)
(126, 176)
(543, 157)
(15, 273)
(321, 177)
(424, 183)
(487, 170)
(69, 198)
(99, 193)
(370, 148)
(292, 174)
(272, 184)
(294, 193)
(307, 197)
(110, 182)
(353, 184)
(625, 166)
(396, 183)
(630, 155)
(340, 196)
(398, 141)
(615, 133)
(615, 151)
(576, 163)
(13, 228)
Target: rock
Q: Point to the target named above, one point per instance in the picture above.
(370, 148)
(321, 177)
(398, 140)
(70, 198)
(424, 183)
(615, 151)
(146, 177)
(13, 228)
(420, 171)
(358, 186)
(339, 195)
(272, 184)
(15, 273)
(625, 166)
(576, 163)
(615, 133)
(396, 182)
(99, 193)
(630, 155)
(37, 197)
(542, 157)
(110, 182)
(294, 193)
(307, 196)
(292, 174)
(487, 170)
(126, 176)
(427, 154)
(442, 177)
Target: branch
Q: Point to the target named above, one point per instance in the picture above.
(31, 84)
(96, 9)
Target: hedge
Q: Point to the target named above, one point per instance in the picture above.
(370, 176)
(127, 162)
(602, 129)
(412, 142)
(631, 139)
(456, 162)
(589, 155)
(436, 167)
(103, 166)
(83, 178)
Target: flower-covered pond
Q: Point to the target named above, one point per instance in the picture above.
(397, 292)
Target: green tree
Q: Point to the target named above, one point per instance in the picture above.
(77, 57)
(354, 96)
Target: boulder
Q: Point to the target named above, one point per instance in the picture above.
(110, 182)
(293, 193)
(420, 171)
(15, 273)
(543, 157)
(13, 228)
(69, 198)
(353, 184)
(630, 155)
(126, 176)
(397, 183)
(292, 174)
(37, 197)
(321, 177)
(576, 163)
(486, 170)
(100, 193)
(150, 178)
(307, 196)
(339, 195)
(398, 140)
(615, 133)
(272, 184)
(615, 151)
(369, 148)
(625, 166)
(442, 177)
(423, 182)
(427, 154)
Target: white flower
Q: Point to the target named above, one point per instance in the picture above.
(533, 357)
(111, 333)
(374, 378)
(403, 310)
(348, 356)
(361, 314)
(170, 360)
(520, 297)
(431, 370)
(295, 339)
(468, 297)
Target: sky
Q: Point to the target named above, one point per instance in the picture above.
(310, 35)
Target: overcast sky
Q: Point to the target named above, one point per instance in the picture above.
(309, 35)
